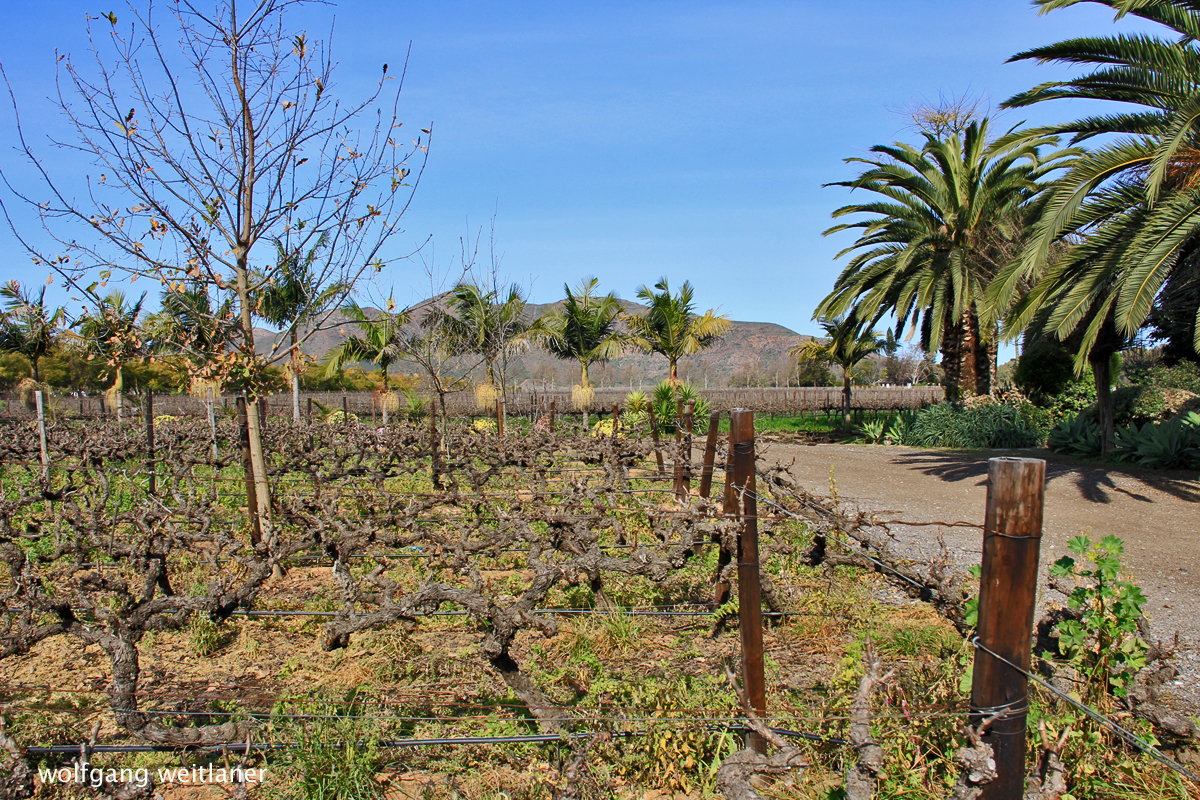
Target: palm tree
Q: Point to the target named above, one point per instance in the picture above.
(28, 327)
(294, 299)
(487, 322)
(1124, 215)
(950, 216)
(382, 342)
(112, 332)
(670, 325)
(585, 329)
(848, 344)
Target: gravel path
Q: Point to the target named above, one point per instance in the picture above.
(1156, 513)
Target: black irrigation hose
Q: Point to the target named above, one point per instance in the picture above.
(533, 738)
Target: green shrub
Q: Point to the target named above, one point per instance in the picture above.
(1078, 435)
(1102, 642)
(980, 423)
(1184, 375)
(665, 400)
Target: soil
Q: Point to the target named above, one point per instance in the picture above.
(1156, 513)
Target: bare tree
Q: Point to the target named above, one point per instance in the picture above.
(215, 138)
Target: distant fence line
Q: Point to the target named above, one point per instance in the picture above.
(523, 402)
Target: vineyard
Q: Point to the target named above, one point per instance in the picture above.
(531, 403)
(540, 613)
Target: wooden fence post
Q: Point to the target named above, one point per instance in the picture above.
(499, 417)
(741, 446)
(1012, 534)
(710, 453)
(248, 467)
(151, 469)
(212, 427)
(616, 418)
(685, 451)
(40, 400)
(553, 412)
(658, 458)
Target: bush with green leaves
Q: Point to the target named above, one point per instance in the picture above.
(664, 400)
(873, 430)
(1173, 444)
(984, 424)
(1077, 435)
(1101, 640)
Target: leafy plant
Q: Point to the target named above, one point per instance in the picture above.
(1077, 436)
(987, 424)
(1102, 642)
(873, 430)
(665, 401)
(335, 755)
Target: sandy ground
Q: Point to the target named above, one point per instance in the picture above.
(1156, 513)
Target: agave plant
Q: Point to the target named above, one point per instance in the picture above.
(873, 430)
(1077, 436)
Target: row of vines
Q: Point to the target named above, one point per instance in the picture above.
(537, 614)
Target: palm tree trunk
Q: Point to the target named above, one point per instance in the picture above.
(1099, 361)
(846, 398)
(674, 371)
(584, 383)
(952, 360)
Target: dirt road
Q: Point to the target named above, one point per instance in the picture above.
(1157, 514)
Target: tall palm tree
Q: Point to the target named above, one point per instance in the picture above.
(1125, 214)
(382, 342)
(487, 322)
(112, 332)
(949, 217)
(848, 344)
(670, 325)
(586, 329)
(28, 326)
(294, 299)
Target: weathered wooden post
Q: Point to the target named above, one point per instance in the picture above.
(616, 418)
(39, 399)
(345, 412)
(710, 453)
(741, 447)
(248, 467)
(685, 452)
(310, 409)
(212, 427)
(658, 458)
(151, 469)
(1012, 535)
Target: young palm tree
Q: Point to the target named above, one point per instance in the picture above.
(294, 299)
(848, 344)
(486, 322)
(949, 216)
(670, 325)
(382, 342)
(585, 329)
(28, 327)
(1126, 212)
(112, 333)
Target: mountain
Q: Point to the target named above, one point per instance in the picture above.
(749, 350)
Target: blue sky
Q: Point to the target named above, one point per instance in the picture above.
(634, 140)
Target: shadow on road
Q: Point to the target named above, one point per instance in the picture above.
(1095, 483)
